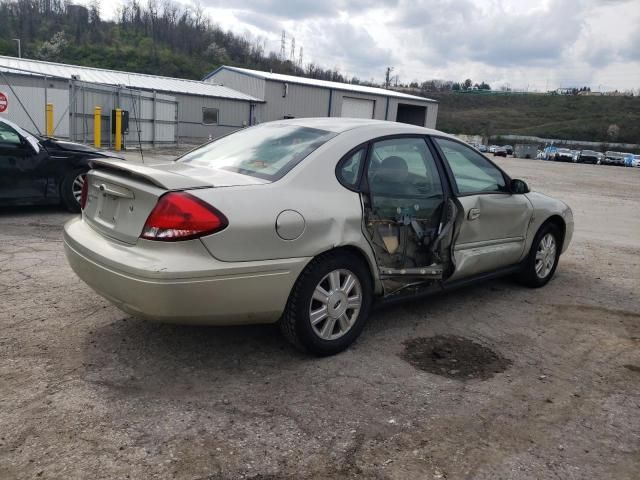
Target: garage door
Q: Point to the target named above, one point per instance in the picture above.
(357, 107)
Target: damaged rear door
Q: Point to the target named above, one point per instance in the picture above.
(408, 216)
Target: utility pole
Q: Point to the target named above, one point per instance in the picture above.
(300, 59)
(387, 77)
(292, 55)
(283, 43)
(19, 47)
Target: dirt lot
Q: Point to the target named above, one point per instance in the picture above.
(550, 385)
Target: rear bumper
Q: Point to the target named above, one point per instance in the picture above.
(179, 283)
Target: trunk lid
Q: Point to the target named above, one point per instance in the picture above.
(121, 194)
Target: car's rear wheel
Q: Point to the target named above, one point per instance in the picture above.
(543, 258)
(71, 189)
(329, 304)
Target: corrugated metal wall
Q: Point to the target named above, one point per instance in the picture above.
(311, 101)
(232, 115)
(243, 83)
(178, 118)
(431, 115)
(300, 101)
(35, 93)
(152, 116)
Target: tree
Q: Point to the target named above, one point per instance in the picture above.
(466, 85)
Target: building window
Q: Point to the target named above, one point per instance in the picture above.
(209, 116)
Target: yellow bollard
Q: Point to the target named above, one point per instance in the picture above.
(49, 120)
(97, 126)
(118, 129)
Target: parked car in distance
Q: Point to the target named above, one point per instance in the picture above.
(632, 160)
(590, 156)
(36, 170)
(563, 155)
(525, 150)
(500, 152)
(492, 148)
(306, 222)
(614, 158)
(509, 149)
(575, 154)
(483, 148)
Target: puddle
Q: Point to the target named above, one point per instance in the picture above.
(454, 357)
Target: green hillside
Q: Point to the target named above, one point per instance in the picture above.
(574, 117)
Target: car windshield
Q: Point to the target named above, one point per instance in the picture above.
(267, 151)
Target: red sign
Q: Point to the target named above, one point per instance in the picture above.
(4, 102)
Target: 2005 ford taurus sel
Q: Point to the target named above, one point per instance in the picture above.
(306, 222)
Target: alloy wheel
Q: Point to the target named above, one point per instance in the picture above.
(76, 186)
(545, 256)
(335, 304)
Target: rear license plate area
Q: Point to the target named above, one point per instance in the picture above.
(107, 209)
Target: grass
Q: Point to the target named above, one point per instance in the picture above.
(553, 116)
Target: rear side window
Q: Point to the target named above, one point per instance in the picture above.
(349, 170)
(266, 151)
(473, 173)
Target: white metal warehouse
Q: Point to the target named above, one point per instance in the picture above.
(162, 110)
(287, 96)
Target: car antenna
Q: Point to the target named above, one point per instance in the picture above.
(135, 115)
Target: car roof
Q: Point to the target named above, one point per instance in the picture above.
(340, 124)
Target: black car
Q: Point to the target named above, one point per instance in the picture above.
(500, 152)
(37, 170)
(509, 149)
(590, 156)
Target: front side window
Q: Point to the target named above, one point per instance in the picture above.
(403, 178)
(266, 151)
(209, 116)
(472, 172)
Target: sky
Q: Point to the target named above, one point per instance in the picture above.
(526, 45)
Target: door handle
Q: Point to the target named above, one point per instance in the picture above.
(473, 213)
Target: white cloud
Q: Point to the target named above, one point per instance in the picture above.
(538, 45)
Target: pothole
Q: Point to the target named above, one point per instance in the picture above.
(454, 357)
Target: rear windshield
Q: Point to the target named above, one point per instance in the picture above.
(265, 151)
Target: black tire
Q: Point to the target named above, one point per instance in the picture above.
(67, 194)
(296, 324)
(528, 275)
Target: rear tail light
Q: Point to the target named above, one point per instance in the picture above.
(84, 193)
(180, 216)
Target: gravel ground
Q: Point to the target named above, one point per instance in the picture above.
(88, 392)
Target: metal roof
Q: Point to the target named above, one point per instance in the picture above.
(320, 83)
(113, 77)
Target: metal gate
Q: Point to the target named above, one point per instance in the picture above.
(153, 117)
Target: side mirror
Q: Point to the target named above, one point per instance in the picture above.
(519, 186)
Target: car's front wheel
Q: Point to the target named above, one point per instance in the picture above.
(329, 304)
(543, 257)
(71, 189)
